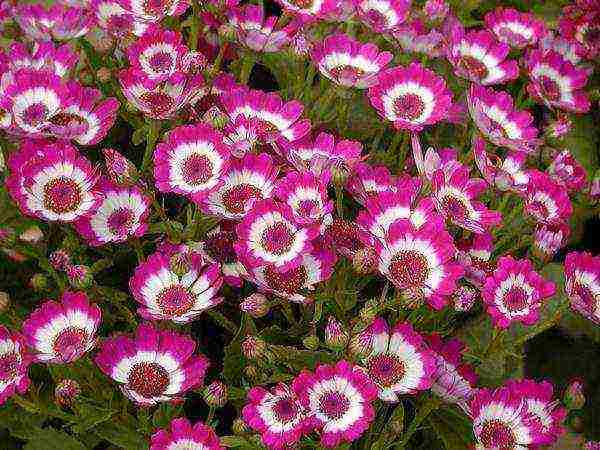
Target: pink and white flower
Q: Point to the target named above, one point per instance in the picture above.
(507, 174)
(44, 55)
(581, 22)
(309, 10)
(582, 284)
(60, 333)
(415, 37)
(243, 135)
(515, 292)
(338, 400)
(115, 20)
(277, 415)
(122, 213)
(367, 181)
(153, 366)
(217, 247)
(410, 97)
(382, 15)
(515, 28)
(58, 21)
(568, 172)
(14, 363)
(549, 239)
(475, 256)
(177, 285)
(569, 49)
(155, 10)
(348, 62)
(190, 161)
(182, 435)
(479, 57)
(399, 362)
(545, 200)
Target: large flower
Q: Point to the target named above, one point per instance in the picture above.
(59, 22)
(399, 361)
(182, 435)
(515, 28)
(153, 366)
(582, 284)
(115, 20)
(338, 400)
(382, 15)
(515, 292)
(61, 333)
(568, 172)
(410, 97)
(14, 362)
(367, 181)
(545, 200)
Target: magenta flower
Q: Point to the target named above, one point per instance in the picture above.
(181, 434)
(338, 400)
(57, 22)
(515, 292)
(382, 15)
(507, 174)
(582, 284)
(410, 97)
(569, 49)
(14, 363)
(568, 172)
(155, 10)
(153, 366)
(115, 20)
(415, 37)
(367, 181)
(309, 10)
(217, 247)
(348, 62)
(515, 28)
(545, 200)
(549, 239)
(45, 55)
(581, 22)
(475, 255)
(60, 333)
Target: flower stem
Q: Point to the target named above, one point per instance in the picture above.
(153, 133)
(247, 64)
(431, 404)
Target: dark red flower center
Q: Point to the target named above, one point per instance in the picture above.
(585, 294)
(238, 198)
(286, 410)
(376, 19)
(160, 62)
(148, 379)
(497, 434)
(346, 72)
(387, 369)
(409, 268)
(290, 281)
(550, 87)
(62, 195)
(157, 7)
(175, 300)
(65, 119)
(409, 107)
(70, 342)
(474, 67)
(120, 221)
(197, 169)
(220, 246)
(344, 234)
(455, 207)
(159, 103)
(334, 405)
(308, 208)
(34, 114)
(304, 4)
(277, 238)
(9, 366)
(516, 299)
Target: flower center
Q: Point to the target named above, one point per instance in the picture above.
(387, 369)
(334, 405)
(409, 268)
(376, 19)
(344, 235)
(157, 7)
(592, 36)
(303, 4)
(286, 410)
(539, 209)
(158, 102)
(196, 169)
(9, 364)
(238, 198)
(308, 208)
(120, 221)
(160, 62)
(277, 238)
(516, 299)
(119, 24)
(551, 88)
(220, 247)
(62, 195)
(455, 207)
(474, 67)
(65, 119)
(409, 107)
(34, 114)
(585, 294)
(496, 434)
(175, 300)
(289, 282)
(347, 73)
(69, 343)
(148, 379)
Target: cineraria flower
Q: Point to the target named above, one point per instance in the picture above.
(182, 435)
(306, 194)
(122, 213)
(382, 15)
(420, 260)
(309, 10)
(338, 400)
(14, 362)
(545, 200)
(515, 28)
(568, 172)
(559, 127)
(515, 292)
(279, 120)
(569, 49)
(546, 411)
(242, 135)
(464, 298)
(245, 181)
(367, 181)
(453, 380)
(44, 55)
(118, 168)
(60, 333)
(276, 415)
(581, 22)
(344, 237)
(399, 362)
(479, 57)
(217, 247)
(582, 284)
(348, 62)
(269, 235)
(496, 117)
(176, 285)
(153, 366)
(115, 20)
(53, 182)
(556, 82)
(154, 10)
(58, 21)
(191, 161)
(475, 256)
(507, 174)
(257, 32)
(500, 420)
(414, 37)
(410, 97)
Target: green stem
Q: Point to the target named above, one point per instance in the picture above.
(153, 133)
(195, 28)
(223, 321)
(431, 404)
(247, 64)
(543, 326)
(32, 252)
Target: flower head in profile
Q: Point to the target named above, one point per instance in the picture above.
(545, 200)
(217, 247)
(568, 172)
(155, 10)
(113, 19)
(382, 16)
(309, 10)
(182, 434)
(58, 22)
(42, 55)
(14, 363)
(515, 28)
(508, 174)
(549, 239)
(582, 284)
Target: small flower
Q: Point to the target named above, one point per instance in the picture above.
(215, 394)
(155, 10)
(367, 181)
(549, 239)
(256, 305)
(277, 415)
(399, 362)
(257, 32)
(254, 348)
(581, 23)
(308, 10)
(574, 397)
(508, 174)
(382, 16)
(559, 127)
(464, 298)
(515, 292)
(515, 28)
(66, 392)
(348, 62)
(118, 168)
(217, 247)
(242, 134)
(153, 366)
(181, 434)
(361, 344)
(336, 336)
(60, 333)
(582, 284)
(568, 172)
(58, 21)
(547, 201)
(112, 18)
(14, 363)
(436, 9)
(475, 255)
(410, 97)
(338, 400)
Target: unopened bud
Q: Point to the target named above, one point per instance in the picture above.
(239, 427)
(254, 348)
(559, 127)
(4, 301)
(252, 372)
(361, 344)
(364, 260)
(311, 342)
(180, 263)
(215, 394)
(66, 392)
(60, 260)
(119, 168)
(38, 282)
(103, 74)
(369, 311)
(411, 298)
(32, 235)
(79, 276)
(574, 397)
(255, 305)
(336, 337)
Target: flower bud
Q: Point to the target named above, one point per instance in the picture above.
(80, 276)
(595, 185)
(239, 427)
(255, 305)
(364, 261)
(4, 301)
(32, 235)
(60, 260)
(361, 344)
(215, 117)
(180, 263)
(103, 74)
(66, 392)
(251, 371)
(336, 337)
(254, 348)
(369, 311)
(311, 342)
(574, 397)
(120, 169)
(215, 394)
(411, 298)
(38, 282)
(7, 236)
(464, 298)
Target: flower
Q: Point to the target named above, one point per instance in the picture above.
(338, 399)
(348, 62)
(475, 255)
(366, 181)
(410, 97)
(580, 22)
(479, 57)
(545, 200)
(464, 298)
(190, 161)
(60, 333)
(507, 174)
(155, 10)
(242, 134)
(420, 259)
(115, 20)
(453, 380)
(559, 127)
(515, 292)
(245, 181)
(58, 21)
(549, 239)
(582, 284)
(44, 55)
(256, 305)
(215, 394)
(568, 172)
(515, 28)
(79, 276)
(176, 285)
(118, 168)
(344, 237)
(574, 396)
(382, 16)
(556, 82)
(310, 10)
(181, 434)
(66, 392)
(60, 259)
(153, 366)
(14, 363)
(277, 415)
(415, 37)
(122, 213)
(336, 336)
(399, 361)
(569, 49)
(53, 182)
(217, 247)
(496, 117)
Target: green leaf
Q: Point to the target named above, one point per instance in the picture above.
(89, 416)
(164, 414)
(139, 136)
(51, 439)
(238, 442)
(121, 436)
(452, 428)
(233, 363)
